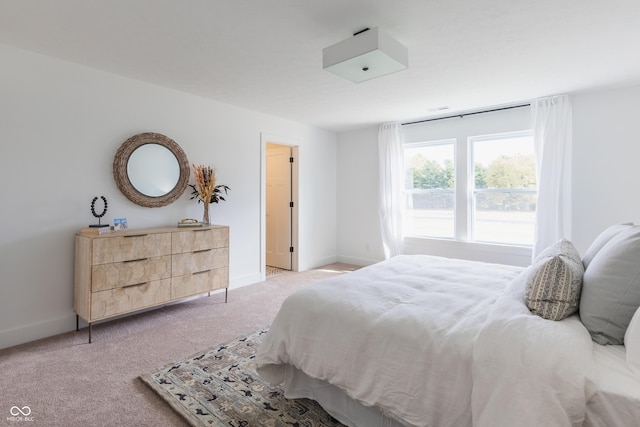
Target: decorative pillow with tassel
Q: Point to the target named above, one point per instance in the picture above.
(554, 282)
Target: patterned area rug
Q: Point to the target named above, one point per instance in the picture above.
(274, 271)
(220, 387)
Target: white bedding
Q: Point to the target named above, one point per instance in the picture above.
(617, 400)
(398, 335)
(529, 371)
(432, 341)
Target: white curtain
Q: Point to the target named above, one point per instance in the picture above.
(391, 185)
(552, 127)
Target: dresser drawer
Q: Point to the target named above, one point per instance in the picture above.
(130, 247)
(199, 239)
(198, 283)
(121, 274)
(123, 300)
(193, 262)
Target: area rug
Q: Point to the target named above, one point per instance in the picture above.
(275, 271)
(220, 387)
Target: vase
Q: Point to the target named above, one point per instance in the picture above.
(205, 216)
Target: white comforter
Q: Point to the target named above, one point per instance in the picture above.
(434, 342)
(528, 371)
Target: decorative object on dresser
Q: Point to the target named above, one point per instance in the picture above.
(189, 222)
(131, 270)
(120, 224)
(151, 169)
(206, 190)
(101, 214)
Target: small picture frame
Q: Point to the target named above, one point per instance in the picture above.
(119, 224)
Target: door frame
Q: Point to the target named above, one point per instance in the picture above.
(264, 138)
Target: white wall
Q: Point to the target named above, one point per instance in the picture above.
(606, 161)
(605, 176)
(60, 126)
(359, 239)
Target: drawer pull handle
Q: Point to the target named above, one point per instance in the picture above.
(135, 235)
(202, 229)
(136, 260)
(202, 272)
(135, 284)
(202, 250)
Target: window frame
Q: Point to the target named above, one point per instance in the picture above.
(448, 141)
(471, 187)
(464, 187)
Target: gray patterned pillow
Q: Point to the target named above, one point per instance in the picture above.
(554, 283)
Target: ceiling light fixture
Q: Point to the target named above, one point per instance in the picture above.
(370, 53)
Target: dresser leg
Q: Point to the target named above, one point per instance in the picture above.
(77, 323)
(90, 333)
(226, 292)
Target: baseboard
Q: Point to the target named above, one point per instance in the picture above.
(37, 330)
(357, 261)
(247, 279)
(318, 263)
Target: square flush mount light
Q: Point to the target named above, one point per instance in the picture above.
(370, 53)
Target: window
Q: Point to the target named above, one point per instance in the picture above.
(489, 198)
(504, 188)
(429, 189)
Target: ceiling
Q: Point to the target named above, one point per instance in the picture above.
(266, 55)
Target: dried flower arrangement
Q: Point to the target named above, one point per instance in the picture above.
(206, 190)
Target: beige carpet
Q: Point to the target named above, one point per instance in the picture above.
(67, 382)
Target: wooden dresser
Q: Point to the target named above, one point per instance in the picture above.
(125, 271)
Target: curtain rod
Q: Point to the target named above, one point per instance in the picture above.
(466, 114)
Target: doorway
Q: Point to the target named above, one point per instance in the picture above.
(279, 249)
(279, 219)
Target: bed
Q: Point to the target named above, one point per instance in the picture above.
(428, 341)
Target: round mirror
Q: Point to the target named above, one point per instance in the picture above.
(151, 170)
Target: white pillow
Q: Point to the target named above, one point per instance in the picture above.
(611, 288)
(602, 239)
(632, 343)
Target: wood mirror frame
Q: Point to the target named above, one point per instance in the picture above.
(121, 160)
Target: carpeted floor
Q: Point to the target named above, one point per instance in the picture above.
(219, 387)
(67, 382)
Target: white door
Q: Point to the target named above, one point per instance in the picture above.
(278, 206)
